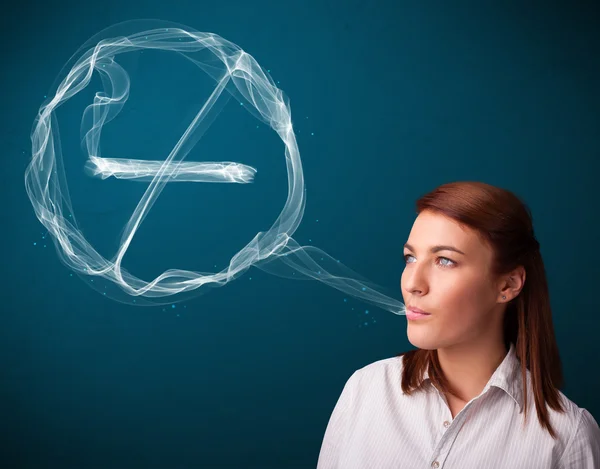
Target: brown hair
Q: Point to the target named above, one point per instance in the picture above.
(504, 222)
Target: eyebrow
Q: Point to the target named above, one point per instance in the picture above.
(435, 249)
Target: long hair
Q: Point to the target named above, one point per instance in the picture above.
(505, 223)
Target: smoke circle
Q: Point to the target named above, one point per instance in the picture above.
(226, 63)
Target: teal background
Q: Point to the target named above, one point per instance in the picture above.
(389, 100)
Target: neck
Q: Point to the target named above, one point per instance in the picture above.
(468, 367)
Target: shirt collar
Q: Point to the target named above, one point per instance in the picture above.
(507, 377)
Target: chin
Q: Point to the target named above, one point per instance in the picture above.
(420, 340)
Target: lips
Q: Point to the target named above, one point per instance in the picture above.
(417, 310)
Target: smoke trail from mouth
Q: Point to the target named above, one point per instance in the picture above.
(273, 251)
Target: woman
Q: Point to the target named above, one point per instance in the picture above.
(459, 401)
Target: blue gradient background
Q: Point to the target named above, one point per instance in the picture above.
(389, 100)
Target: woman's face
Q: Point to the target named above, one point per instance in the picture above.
(455, 288)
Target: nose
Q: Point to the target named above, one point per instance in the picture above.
(413, 280)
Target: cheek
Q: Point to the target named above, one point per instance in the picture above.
(457, 287)
(459, 297)
(464, 301)
(451, 292)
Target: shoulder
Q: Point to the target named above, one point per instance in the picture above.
(376, 374)
(588, 426)
(578, 434)
(568, 421)
(381, 367)
(583, 445)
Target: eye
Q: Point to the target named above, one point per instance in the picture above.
(450, 263)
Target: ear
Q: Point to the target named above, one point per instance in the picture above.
(512, 283)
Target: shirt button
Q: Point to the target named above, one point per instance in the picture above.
(446, 424)
(435, 464)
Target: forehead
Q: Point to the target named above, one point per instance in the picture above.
(432, 229)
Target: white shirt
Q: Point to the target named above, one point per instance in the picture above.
(374, 425)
